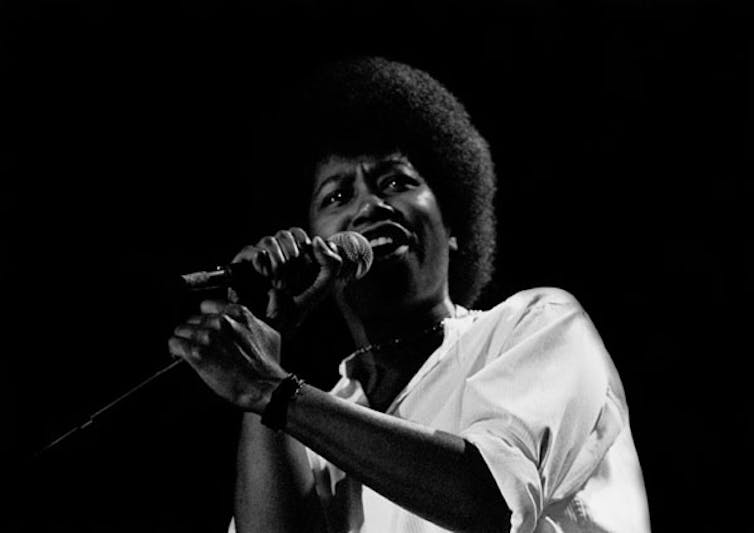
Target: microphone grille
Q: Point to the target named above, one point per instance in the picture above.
(356, 252)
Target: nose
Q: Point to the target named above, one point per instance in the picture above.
(371, 208)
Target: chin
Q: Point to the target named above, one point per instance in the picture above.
(388, 284)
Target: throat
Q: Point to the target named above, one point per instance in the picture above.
(384, 371)
(393, 325)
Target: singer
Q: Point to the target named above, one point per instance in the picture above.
(445, 418)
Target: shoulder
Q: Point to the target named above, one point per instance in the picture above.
(532, 309)
(538, 318)
(539, 297)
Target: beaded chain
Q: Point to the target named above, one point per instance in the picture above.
(392, 343)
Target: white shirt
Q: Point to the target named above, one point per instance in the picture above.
(531, 385)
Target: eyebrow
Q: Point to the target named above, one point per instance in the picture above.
(389, 164)
(338, 176)
(379, 168)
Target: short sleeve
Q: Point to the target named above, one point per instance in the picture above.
(540, 410)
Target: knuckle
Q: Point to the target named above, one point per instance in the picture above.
(301, 238)
(247, 253)
(202, 336)
(212, 324)
(225, 321)
(247, 315)
(232, 295)
(262, 262)
(195, 351)
(175, 345)
(228, 318)
(208, 307)
(288, 245)
(299, 234)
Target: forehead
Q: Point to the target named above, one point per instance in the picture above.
(336, 164)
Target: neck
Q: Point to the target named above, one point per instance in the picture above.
(368, 328)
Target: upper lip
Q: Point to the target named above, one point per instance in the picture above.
(387, 229)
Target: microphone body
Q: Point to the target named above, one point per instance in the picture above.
(357, 259)
(352, 247)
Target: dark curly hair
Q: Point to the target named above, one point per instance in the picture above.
(372, 105)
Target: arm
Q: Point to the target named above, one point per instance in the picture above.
(435, 475)
(274, 483)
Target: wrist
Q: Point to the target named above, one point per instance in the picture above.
(275, 413)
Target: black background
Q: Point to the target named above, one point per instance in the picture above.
(131, 145)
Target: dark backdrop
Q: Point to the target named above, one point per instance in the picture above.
(132, 135)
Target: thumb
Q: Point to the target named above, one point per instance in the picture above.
(330, 264)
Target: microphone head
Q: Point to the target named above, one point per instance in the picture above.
(356, 253)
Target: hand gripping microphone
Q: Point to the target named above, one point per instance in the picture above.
(352, 247)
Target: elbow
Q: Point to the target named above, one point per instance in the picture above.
(495, 520)
(484, 508)
(483, 513)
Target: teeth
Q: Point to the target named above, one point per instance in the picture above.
(379, 241)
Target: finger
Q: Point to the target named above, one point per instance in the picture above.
(291, 252)
(233, 296)
(209, 322)
(301, 274)
(244, 336)
(302, 238)
(193, 333)
(239, 313)
(199, 341)
(246, 254)
(258, 257)
(196, 319)
(326, 255)
(213, 307)
(198, 354)
(219, 307)
(262, 262)
(271, 245)
(330, 264)
(281, 308)
(288, 245)
(234, 327)
(183, 348)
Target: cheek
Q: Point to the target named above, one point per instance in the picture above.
(322, 226)
(426, 204)
(317, 222)
(425, 200)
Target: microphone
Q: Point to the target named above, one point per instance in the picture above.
(353, 248)
(357, 257)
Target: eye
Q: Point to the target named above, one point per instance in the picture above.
(397, 183)
(336, 197)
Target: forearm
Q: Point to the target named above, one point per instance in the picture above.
(434, 474)
(274, 482)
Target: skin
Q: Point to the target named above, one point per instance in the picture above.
(436, 475)
(407, 290)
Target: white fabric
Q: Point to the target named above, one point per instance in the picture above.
(531, 385)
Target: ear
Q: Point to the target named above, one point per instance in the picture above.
(452, 243)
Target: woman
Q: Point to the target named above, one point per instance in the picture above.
(444, 418)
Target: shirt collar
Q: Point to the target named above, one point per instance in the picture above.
(451, 329)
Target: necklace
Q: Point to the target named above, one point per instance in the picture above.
(397, 341)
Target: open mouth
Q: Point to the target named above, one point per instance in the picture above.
(387, 239)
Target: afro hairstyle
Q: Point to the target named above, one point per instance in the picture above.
(370, 105)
